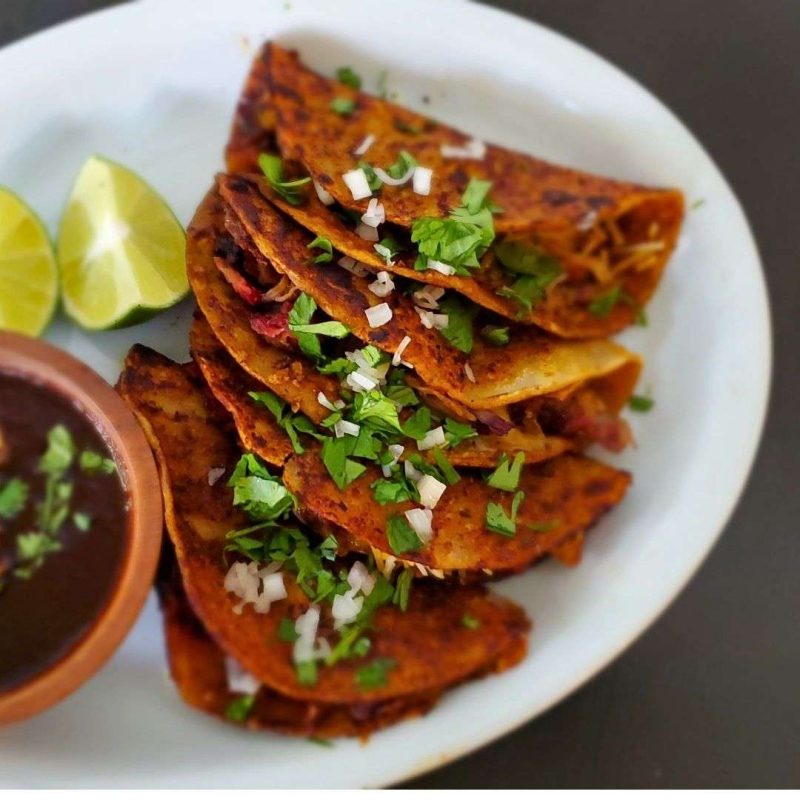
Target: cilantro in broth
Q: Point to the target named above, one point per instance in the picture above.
(13, 498)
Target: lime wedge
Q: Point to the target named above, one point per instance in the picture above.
(28, 273)
(120, 249)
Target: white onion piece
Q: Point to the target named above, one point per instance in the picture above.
(273, 591)
(428, 297)
(356, 181)
(367, 232)
(401, 348)
(345, 428)
(474, 148)
(365, 145)
(375, 214)
(421, 520)
(245, 581)
(305, 627)
(325, 403)
(421, 183)
(411, 472)
(439, 266)
(383, 285)
(360, 382)
(430, 490)
(325, 197)
(240, 680)
(433, 438)
(214, 474)
(346, 607)
(468, 372)
(351, 265)
(424, 317)
(361, 579)
(378, 315)
(395, 451)
(390, 181)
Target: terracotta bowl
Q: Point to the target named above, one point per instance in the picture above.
(63, 374)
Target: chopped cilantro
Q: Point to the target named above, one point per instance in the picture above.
(377, 411)
(306, 673)
(373, 181)
(262, 496)
(387, 248)
(13, 497)
(456, 432)
(292, 424)
(418, 424)
(272, 167)
(496, 335)
(394, 490)
(286, 631)
(375, 674)
(603, 304)
(506, 475)
(344, 106)
(81, 521)
(458, 330)
(361, 647)
(401, 536)
(405, 162)
(468, 621)
(402, 395)
(640, 403)
(498, 521)
(348, 77)
(322, 243)
(300, 314)
(525, 258)
(238, 710)
(449, 473)
(527, 290)
(342, 469)
(402, 589)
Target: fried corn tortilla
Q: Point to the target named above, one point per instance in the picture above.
(199, 670)
(228, 316)
(230, 384)
(430, 646)
(563, 498)
(616, 232)
(532, 364)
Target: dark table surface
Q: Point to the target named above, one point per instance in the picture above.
(710, 696)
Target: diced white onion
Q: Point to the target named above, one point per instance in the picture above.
(367, 232)
(214, 474)
(240, 680)
(351, 265)
(468, 372)
(431, 320)
(401, 348)
(587, 221)
(421, 520)
(361, 579)
(273, 590)
(375, 214)
(390, 181)
(428, 297)
(325, 403)
(305, 627)
(360, 382)
(424, 317)
(430, 490)
(378, 315)
(474, 148)
(325, 197)
(346, 607)
(395, 451)
(356, 181)
(365, 145)
(345, 428)
(411, 472)
(383, 284)
(422, 180)
(245, 581)
(433, 438)
(445, 269)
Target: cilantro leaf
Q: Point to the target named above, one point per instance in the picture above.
(640, 403)
(348, 77)
(401, 536)
(405, 162)
(496, 335)
(342, 469)
(60, 452)
(322, 243)
(286, 631)
(449, 473)
(525, 258)
(272, 167)
(402, 589)
(458, 330)
(32, 548)
(344, 106)
(81, 521)
(95, 464)
(13, 497)
(456, 432)
(393, 491)
(300, 314)
(418, 424)
(387, 248)
(373, 181)
(375, 674)
(306, 673)
(238, 710)
(377, 411)
(603, 304)
(498, 521)
(506, 475)
(468, 621)
(262, 496)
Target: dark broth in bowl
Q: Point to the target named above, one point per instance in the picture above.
(63, 526)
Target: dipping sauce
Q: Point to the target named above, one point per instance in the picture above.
(63, 525)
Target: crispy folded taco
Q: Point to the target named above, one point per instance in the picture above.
(611, 239)
(531, 365)
(562, 499)
(182, 424)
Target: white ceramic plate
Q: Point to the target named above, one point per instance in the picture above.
(153, 85)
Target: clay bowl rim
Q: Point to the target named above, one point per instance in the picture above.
(56, 370)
